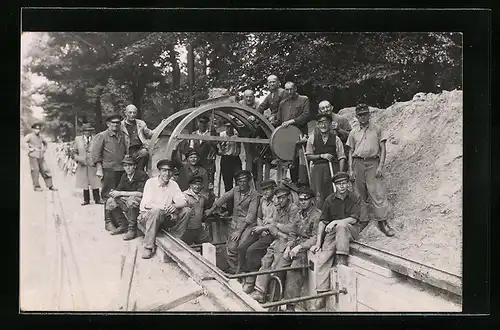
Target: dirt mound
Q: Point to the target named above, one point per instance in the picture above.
(424, 177)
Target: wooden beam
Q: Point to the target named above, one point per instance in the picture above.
(347, 279)
(221, 138)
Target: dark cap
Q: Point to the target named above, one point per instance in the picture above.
(320, 116)
(280, 190)
(203, 119)
(128, 160)
(87, 127)
(191, 152)
(196, 178)
(165, 162)
(35, 125)
(113, 117)
(340, 176)
(241, 173)
(266, 184)
(362, 108)
(306, 191)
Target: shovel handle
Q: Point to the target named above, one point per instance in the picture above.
(331, 174)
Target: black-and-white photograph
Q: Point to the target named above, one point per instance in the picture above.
(266, 172)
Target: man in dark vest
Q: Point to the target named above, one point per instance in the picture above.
(324, 147)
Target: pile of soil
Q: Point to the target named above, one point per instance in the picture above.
(423, 173)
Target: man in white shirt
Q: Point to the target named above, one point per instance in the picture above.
(162, 204)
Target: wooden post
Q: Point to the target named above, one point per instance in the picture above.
(347, 279)
(208, 252)
(311, 279)
(332, 302)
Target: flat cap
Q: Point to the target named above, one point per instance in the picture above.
(306, 191)
(128, 160)
(362, 108)
(340, 176)
(35, 125)
(267, 184)
(196, 178)
(280, 190)
(113, 117)
(191, 152)
(326, 115)
(240, 173)
(203, 118)
(165, 163)
(87, 127)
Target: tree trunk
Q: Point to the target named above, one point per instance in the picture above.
(176, 74)
(98, 114)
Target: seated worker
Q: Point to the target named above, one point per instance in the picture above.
(162, 204)
(284, 232)
(296, 254)
(257, 243)
(324, 147)
(123, 204)
(190, 168)
(245, 201)
(197, 200)
(339, 220)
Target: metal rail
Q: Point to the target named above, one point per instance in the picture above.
(295, 300)
(268, 271)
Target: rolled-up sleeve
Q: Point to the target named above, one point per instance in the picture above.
(339, 148)
(382, 136)
(96, 151)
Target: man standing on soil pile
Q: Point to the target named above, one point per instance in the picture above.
(366, 162)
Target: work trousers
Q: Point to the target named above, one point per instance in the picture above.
(273, 254)
(321, 180)
(155, 219)
(292, 279)
(370, 189)
(95, 195)
(252, 250)
(38, 167)
(196, 236)
(110, 180)
(229, 165)
(232, 250)
(335, 242)
(124, 210)
(141, 157)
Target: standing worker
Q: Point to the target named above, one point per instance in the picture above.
(36, 146)
(324, 147)
(230, 161)
(108, 151)
(273, 99)
(339, 123)
(86, 173)
(205, 149)
(366, 163)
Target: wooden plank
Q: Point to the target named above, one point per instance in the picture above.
(175, 302)
(208, 252)
(347, 279)
(371, 267)
(332, 302)
(221, 138)
(375, 276)
(432, 276)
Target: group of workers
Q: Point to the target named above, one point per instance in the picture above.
(270, 229)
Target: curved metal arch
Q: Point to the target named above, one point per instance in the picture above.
(164, 124)
(263, 122)
(207, 108)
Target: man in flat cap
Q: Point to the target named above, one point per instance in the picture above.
(245, 201)
(191, 168)
(206, 149)
(256, 245)
(163, 205)
(230, 161)
(197, 201)
(283, 230)
(108, 150)
(123, 205)
(366, 167)
(322, 148)
(36, 146)
(138, 136)
(337, 227)
(86, 173)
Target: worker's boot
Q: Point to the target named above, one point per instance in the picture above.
(108, 223)
(290, 308)
(385, 228)
(147, 253)
(258, 295)
(341, 259)
(123, 223)
(131, 234)
(248, 285)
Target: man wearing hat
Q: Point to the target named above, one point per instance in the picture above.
(340, 124)
(230, 161)
(163, 205)
(283, 230)
(296, 254)
(322, 148)
(366, 167)
(245, 201)
(206, 149)
(191, 168)
(123, 205)
(138, 136)
(85, 173)
(337, 227)
(255, 246)
(36, 146)
(197, 201)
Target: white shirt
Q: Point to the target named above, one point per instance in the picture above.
(156, 195)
